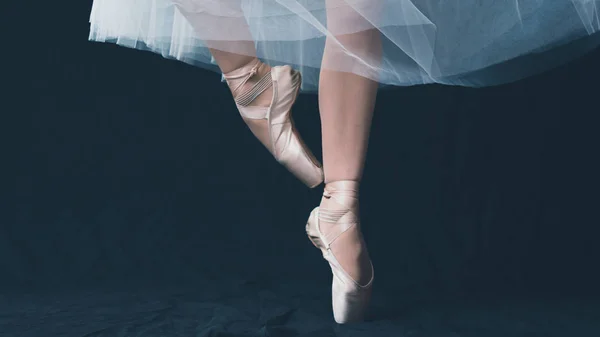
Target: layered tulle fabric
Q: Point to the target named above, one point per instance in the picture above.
(394, 42)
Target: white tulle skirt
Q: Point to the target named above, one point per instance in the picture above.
(394, 42)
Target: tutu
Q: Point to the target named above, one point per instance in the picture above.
(394, 42)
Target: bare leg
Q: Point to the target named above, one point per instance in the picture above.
(229, 61)
(346, 103)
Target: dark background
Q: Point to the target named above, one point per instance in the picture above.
(126, 171)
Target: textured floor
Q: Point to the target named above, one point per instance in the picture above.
(225, 308)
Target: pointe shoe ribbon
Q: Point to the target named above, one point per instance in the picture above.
(350, 299)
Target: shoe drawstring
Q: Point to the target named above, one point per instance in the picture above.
(263, 84)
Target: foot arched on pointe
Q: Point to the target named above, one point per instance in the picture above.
(273, 125)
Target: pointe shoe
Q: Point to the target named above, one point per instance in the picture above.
(350, 299)
(273, 125)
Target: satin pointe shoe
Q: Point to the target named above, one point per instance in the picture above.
(273, 125)
(335, 220)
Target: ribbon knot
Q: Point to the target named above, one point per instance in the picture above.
(253, 71)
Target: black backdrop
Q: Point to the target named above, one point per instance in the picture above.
(123, 168)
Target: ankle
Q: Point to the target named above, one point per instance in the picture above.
(250, 83)
(261, 70)
(342, 187)
(240, 77)
(341, 193)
